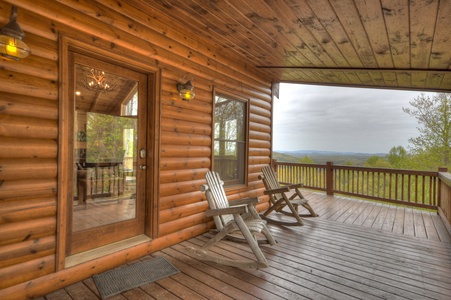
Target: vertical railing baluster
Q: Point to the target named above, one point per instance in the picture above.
(430, 190)
(416, 188)
(408, 188)
(390, 185)
(423, 186)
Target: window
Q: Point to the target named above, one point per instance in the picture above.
(230, 146)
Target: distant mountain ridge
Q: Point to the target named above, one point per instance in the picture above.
(324, 152)
(321, 156)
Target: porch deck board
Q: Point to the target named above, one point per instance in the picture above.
(81, 291)
(370, 254)
(440, 228)
(418, 222)
(380, 216)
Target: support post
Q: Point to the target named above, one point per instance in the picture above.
(444, 198)
(274, 164)
(439, 196)
(329, 179)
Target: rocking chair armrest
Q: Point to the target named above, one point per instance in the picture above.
(253, 200)
(277, 191)
(296, 185)
(226, 211)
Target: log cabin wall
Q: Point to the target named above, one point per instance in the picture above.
(29, 118)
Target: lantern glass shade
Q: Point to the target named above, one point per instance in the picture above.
(186, 91)
(13, 48)
(11, 35)
(187, 95)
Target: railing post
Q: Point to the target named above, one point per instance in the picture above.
(444, 201)
(329, 179)
(274, 164)
(439, 195)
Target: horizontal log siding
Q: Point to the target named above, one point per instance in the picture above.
(28, 161)
(186, 155)
(29, 128)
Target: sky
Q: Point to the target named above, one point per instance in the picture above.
(309, 117)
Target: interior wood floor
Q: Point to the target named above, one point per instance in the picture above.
(340, 255)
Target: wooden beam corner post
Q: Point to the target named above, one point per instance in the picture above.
(440, 178)
(329, 179)
(444, 199)
(274, 164)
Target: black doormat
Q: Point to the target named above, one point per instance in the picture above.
(122, 279)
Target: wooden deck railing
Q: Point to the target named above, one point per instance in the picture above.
(408, 187)
(96, 180)
(444, 206)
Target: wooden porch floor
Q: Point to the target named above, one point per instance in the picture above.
(352, 251)
(380, 216)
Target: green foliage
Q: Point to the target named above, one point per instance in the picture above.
(377, 162)
(105, 137)
(285, 157)
(397, 156)
(305, 160)
(347, 159)
(422, 161)
(434, 117)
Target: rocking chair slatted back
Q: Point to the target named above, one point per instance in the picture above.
(270, 180)
(217, 198)
(282, 196)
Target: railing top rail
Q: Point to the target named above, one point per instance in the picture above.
(300, 164)
(368, 169)
(387, 170)
(445, 177)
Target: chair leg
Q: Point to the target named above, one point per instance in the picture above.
(306, 205)
(310, 209)
(293, 210)
(275, 206)
(252, 241)
(268, 236)
(219, 236)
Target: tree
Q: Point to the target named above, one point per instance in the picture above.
(376, 162)
(305, 160)
(107, 140)
(434, 116)
(397, 156)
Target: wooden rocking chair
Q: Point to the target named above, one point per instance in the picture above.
(230, 217)
(284, 196)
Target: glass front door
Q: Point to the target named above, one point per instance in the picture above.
(109, 128)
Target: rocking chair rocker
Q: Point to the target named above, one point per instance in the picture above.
(284, 196)
(231, 217)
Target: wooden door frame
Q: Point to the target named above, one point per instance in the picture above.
(123, 58)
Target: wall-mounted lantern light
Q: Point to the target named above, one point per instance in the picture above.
(186, 90)
(11, 35)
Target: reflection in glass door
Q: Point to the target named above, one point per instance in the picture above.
(108, 130)
(106, 168)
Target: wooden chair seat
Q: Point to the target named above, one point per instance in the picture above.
(239, 216)
(282, 196)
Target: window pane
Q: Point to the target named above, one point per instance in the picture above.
(230, 140)
(105, 149)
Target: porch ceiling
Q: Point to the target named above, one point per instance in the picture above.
(378, 43)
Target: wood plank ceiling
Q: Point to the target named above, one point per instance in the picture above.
(401, 44)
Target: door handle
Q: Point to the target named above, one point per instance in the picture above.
(142, 153)
(142, 167)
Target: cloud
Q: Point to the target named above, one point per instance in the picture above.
(308, 117)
